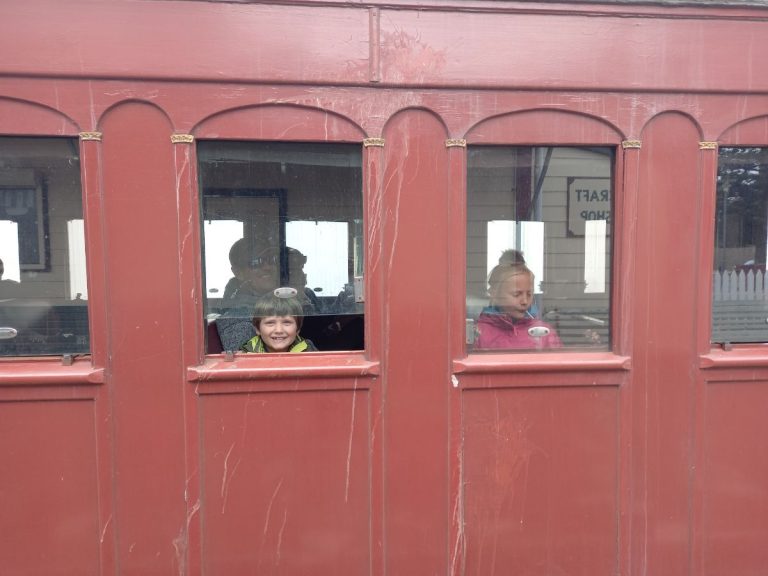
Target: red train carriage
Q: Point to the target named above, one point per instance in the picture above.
(527, 238)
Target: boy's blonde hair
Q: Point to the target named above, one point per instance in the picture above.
(272, 305)
(501, 272)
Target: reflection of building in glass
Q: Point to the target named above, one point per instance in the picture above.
(78, 283)
(9, 249)
(219, 236)
(326, 246)
(553, 205)
(739, 294)
(42, 246)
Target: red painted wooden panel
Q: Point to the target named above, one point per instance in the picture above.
(578, 51)
(286, 482)
(144, 371)
(281, 67)
(532, 127)
(185, 40)
(541, 473)
(749, 132)
(664, 342)
(279, 122)
(255, 42)
(17, 117)
(734, 474)
(49, 512)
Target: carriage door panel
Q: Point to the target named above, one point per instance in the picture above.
(732, 471)
(541, 423)
(49, 400)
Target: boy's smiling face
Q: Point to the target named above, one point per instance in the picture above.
(278, 332)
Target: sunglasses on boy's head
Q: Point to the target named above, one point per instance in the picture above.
(260, 261)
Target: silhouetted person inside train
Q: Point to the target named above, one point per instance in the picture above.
(297, 278)
(256, 271)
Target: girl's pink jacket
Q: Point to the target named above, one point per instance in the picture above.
(500, 331)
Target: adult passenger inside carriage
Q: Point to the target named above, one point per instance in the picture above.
(297, 278)
(255, 272)
(507, 322)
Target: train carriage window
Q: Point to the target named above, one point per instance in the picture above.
(288, 217)
(43, 290)
(538, 247)
(740, 290)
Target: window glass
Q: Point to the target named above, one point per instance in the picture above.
(538, 247)
(740, 292)
(43, 290)
(286, 217)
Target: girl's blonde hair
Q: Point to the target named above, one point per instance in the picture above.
(502, 272)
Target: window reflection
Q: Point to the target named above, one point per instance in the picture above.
(740, 292)
(538, 247)
(43, 290)
(280, 215)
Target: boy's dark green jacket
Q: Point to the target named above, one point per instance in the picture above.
(256, 344)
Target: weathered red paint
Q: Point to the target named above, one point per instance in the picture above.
(410, 457)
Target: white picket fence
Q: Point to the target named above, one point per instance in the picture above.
(740, 306)
(740, 285)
